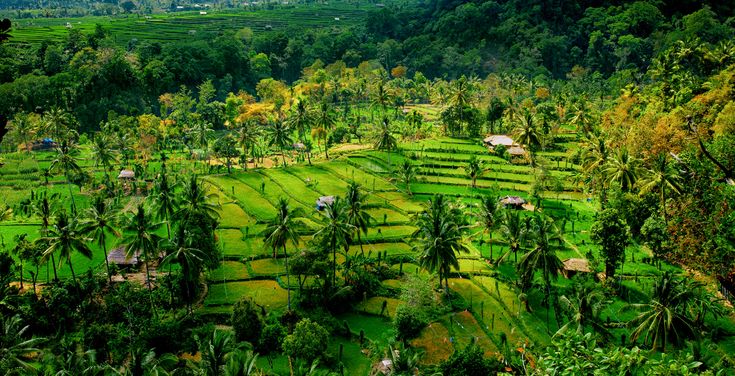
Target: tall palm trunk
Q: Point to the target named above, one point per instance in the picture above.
(71, 267)
(334, 263)
(288, 278)
(53, 265)
(326, 147)
(359, 240)
(71, 195)
(107, 262)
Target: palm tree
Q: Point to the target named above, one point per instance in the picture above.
(190, 260)
(6, 214)
(382, 96)
(247, 137)
(439, 237)
(101, 221)
(24, 129)
(165, 201)
(14, 348)
(21, 250)
(44, 209)
(102, 153)
(595, 152)
(487, 217)
(335, 231)
(300, 119)
(58, 123)
(527, 133)
(357, 216)
(406, 174)
(66, 161)
(241, 363)
(142, 241)
(474, 169)
(665, 317)
(663, 176)
(279, 135)
(196, 200)
(214, 352)
(324, 122)
(384, 139)
(621, 168)
(65, 238)
(514, 231)
(283, 229)
(543, 255)
(583, 307)
(200, 133)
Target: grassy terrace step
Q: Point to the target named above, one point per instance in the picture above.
(272, 192)
(370, 181)
(295, 187)
(264, 292)
(423, 190)
(247, 197)
(325, 182)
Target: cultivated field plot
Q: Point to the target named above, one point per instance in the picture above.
(190, 25)
(264, 292)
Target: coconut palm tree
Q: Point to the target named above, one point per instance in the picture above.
(66, 162)
(621, 168)
(542, 257)
(583, 305)
(190, 260)
(21, 249)
(15, 348)
(44, 209)
(66, 238)
(279, 134)
(214, 352)
(406, 174)
(282, 230)
(662, 176)
(439, 237)
(384, 138)
(528, 134)
(324, 122)
(381, 97)
(103, 153)
(665, 318)
(474, 169)
(24, 129)
(247, 136)
(335, 231)
(165, 201)
(241, 363)
(357, 216)
(301, 119)
(514, 231)
(486, 217)
(195, 199)
(59, 124)
(99, 223)
(142, 241)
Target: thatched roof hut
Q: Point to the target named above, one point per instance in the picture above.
(119, 257)
(516, 151)
(126, 174)
(512, 202)
(573, 266)
(498, 139)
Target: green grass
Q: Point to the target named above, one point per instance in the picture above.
(373, 306)
(268, 267)
(229, 271)
(232, 216)
(249, 198)
(264, 292)
(377, 329)
(392, 249)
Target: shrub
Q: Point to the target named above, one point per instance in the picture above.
(409, 321)
(246, 321)
(308, 342)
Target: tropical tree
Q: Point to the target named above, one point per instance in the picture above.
(662, 176)
(23, 129)
(99, 223)
(103, 154)
(324, 122)
(195, 199)
(214, 352)
(357, 216)
(165, 201)
(528, 134)
(66, 161)
(247, 136)
(66, 238)
(15, 347)
(664, 319)
(279, 135)
(142, 241)
(486, 217)
(300, 119)
(514, 231)
(6, 213)
(543, 256)
(241, 363)
(335, 231)
(384, 138)
(612, 234)
(583, 305)
(190, 261)
(474, 169)
(21, 249)
(439, 237)
(59, 124)
(381, 97)
(282, 230)
(406, 174)
(44, 209)
(621, 168)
